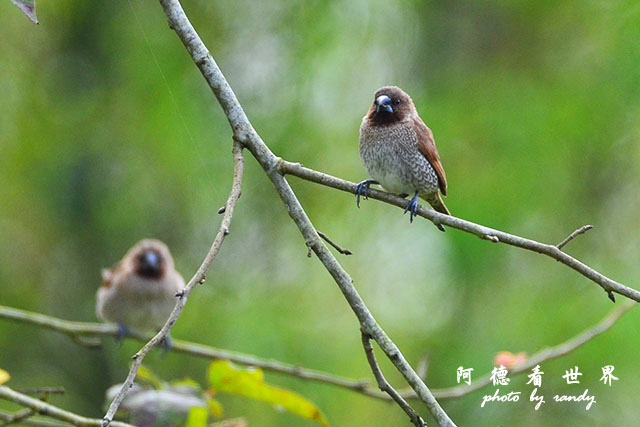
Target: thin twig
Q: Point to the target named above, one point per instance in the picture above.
(244, 132)
(86, 342)
(18, 417)
(21, 417)
(42, 390)
(49, 410)
(31, 421)
(384, 384)
(481, 231)
(538, 358)
(40, 422)
(335, 245)
(573, 235)
(69, 327)
(198, 278)
(199, 350)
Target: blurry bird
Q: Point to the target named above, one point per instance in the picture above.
(140, 292)
(399, 152)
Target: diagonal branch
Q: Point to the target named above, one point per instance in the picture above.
(198, 278)
(43, 408)
(538, 358)
(18, 417)
(334, 245)
(481, 231)
(4, 416)
(384, 384)
(73, 328)
(573, 235)
(244, 133)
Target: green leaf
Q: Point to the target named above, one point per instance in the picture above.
(225, 377)
(197, 417)
(147, 375)
(4, 376)
(28, 7)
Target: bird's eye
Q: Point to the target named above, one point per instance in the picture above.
(397, 101)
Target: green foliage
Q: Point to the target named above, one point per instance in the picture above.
(197, 417)
(146, 375)
(227, 378)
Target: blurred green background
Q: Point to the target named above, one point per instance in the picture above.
(108, 134)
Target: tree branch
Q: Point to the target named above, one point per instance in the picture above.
(46, 391)
(481, 231)
(18, 417)
(49, 410)
(72, 328)
(31, 421)
(538, 358)
(333, 244)
(244, 133)
(384, 384)
(198, 350)
(573, 235)
(198, 278)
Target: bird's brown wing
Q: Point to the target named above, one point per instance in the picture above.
(427, 147)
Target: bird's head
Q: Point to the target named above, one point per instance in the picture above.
(390, 104)
(151, 259)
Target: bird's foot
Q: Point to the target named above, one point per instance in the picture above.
(123, 332)
(412, 207)
(363, 189)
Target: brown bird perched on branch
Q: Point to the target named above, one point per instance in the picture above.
(399, 152)
(140, 292)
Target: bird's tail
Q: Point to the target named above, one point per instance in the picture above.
(438, 205)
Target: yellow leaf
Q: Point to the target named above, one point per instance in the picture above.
(215, 408)
(197, 417)
(226, 377)
(4, 376)
(146, 374)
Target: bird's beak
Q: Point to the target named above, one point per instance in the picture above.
(383, 103)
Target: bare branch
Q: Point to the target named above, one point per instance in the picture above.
(335, 245)
(198, 350)
(384, 384)
(481, 231)
(537, 358)
(32, 421)
(573, 235)
(244, 132)
(42, 390)
(49, 410)
(189, 348)
(18, 417)
(198, 278)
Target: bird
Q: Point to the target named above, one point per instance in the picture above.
(139, 293)
(399, 152)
